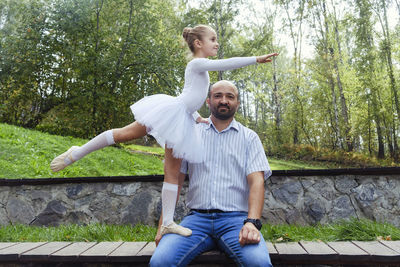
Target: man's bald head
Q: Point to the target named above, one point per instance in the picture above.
(224, 83)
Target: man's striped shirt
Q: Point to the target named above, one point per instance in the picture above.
(221, 181)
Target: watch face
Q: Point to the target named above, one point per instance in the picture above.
(257, 223)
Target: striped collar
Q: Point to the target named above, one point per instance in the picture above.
(233, 125)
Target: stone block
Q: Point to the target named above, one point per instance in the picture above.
(52, 215)
(19, 211)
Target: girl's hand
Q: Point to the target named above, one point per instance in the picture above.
(200, 119)
(266, 58)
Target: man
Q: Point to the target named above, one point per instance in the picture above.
(226, 192)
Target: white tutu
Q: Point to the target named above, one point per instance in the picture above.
(169, 122)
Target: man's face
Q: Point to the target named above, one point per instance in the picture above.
(223, 101)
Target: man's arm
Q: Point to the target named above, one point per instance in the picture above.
(249, 233)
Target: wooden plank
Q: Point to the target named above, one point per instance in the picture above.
(319, 252)
(379, 252)
(71, 252)
(6, 244)
(99, 252)
(349, 253)
(43, 252)
(291, 252)
(13, 252)
(127, 252)
(271, 249)
(394, 245)
(148, 249)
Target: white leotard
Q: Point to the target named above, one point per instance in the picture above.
(197, 79)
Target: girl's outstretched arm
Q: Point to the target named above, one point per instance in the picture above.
(266, 58)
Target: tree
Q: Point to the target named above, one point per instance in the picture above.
(366, 66)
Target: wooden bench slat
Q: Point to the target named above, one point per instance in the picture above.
(13, 252)
(71, 252)
(148, 249)
(6, 244)
(271, 249)
(395, 245)
(379, 252)
(317, 248)
(291, 252)
(99, 252)
(127, 252)
(291, 248)
(319, 252)
(349, 252)
(43, 252)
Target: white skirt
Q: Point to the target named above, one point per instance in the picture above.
(168, 121)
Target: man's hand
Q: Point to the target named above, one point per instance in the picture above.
(202, 120)
(249, 234)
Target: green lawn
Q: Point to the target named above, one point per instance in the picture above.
(362, 230)
(27, 153)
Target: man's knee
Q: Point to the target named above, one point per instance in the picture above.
(161, 260)
(257, 257)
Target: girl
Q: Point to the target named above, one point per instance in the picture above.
(170, 119)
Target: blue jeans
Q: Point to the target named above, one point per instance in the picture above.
(210, 231)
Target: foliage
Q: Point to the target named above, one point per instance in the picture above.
(73, 68)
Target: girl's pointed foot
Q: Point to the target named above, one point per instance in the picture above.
(60, 161)
(174, 228)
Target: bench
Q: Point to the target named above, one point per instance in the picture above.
(373, 253)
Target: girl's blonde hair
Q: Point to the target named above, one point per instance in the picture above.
(197, 32)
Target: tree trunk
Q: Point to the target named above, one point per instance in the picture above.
(277, 105)
(95, 125)
(345, 116)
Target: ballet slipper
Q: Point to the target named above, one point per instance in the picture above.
(174, 228)
(58, 163)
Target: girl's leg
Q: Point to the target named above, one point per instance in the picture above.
(169, 195)
(107, 138)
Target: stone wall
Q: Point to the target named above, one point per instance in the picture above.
(295, 199)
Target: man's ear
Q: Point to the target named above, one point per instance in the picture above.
(208, 102)
(238, 105)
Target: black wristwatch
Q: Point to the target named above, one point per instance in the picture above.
(257, 223)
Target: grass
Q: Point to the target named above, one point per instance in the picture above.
(277, 164)
(76, 233)
(157, 150)
(362, 230)
(27, 153)
(354, 229)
